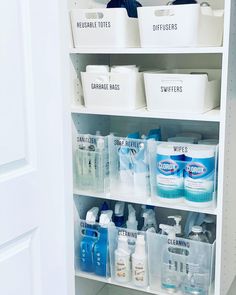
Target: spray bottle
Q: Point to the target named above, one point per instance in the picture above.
(101, 248)
(150, 223)
(132, 223)
(88, 241)
(122, 260)
(177, 226)
(139, 263)
(119, 218)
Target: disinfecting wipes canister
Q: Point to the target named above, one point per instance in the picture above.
(200, 175)
(170, 166)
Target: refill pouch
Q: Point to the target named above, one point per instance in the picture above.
(91, 163)
(129, 168)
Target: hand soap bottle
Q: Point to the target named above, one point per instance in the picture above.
(139, 263)
(88, 241)
(169, 265)
(101, 247)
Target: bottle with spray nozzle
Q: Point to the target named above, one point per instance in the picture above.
(119, 218)
(150, 223)
(88, 241)
(139, 263)
(132, 222)
(101, 248)
(122, 260)
(177, 226)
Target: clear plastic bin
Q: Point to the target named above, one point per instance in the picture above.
(121, 264)
(91, 163)
(114, 90)
(182, 172)
(129, 168)
(90, 255)
(180, 265)
(183, 91)
(180, 26)
(104, 28)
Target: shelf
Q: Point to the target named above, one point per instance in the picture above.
(174, 50)
(111, 282)
(128, 286)
(211, 116)
(149, 201)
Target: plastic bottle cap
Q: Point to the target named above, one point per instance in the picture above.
(209, 219)
(197, 229)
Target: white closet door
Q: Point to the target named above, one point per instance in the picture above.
(32, 184)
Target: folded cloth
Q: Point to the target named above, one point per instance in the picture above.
(130, 5)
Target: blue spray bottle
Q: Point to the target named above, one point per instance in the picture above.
(101, 248)
(88, 241)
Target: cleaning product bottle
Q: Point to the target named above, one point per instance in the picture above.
(181, 2)
(209, 228)
(150, 223)
(155, 134)
(199, 180)
(122, 260)
(177, 226)
(130, 5)
(88, 241)
(101, 248)
(139, 263)
(119, 218)
(198, 235)
(132, 223)
(170, 173)
(169, 266)
(104, 207)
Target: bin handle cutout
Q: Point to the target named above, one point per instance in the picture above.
(178, 251)
(94, 15)
(164, 12)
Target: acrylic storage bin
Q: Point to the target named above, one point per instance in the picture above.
(182, 91)
(180, 265)
(118, 91)
(180, 26)
(126, 268)
(129, 168)
(91, 163)
(182, 172)
(104, 28)
(91, 249)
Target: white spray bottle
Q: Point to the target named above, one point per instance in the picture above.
(122, 260)
(132, 222)
(139, 263)
(150, 223)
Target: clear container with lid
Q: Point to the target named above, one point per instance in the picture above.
(197, 234)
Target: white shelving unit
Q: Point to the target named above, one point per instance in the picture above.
(220, 122)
